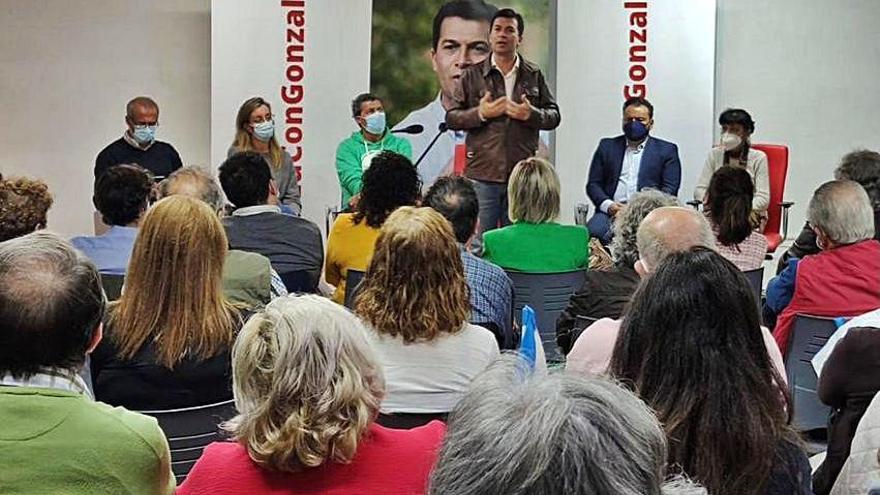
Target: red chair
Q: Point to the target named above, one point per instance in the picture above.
(777, 212)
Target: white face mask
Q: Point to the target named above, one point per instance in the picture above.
(730, 141)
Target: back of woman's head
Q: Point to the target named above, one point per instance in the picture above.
(415, 285)
(24, 205)
(173, 288)
(519, 432)
(862, 166)
(691, 346)
(391, 182)
(626, 224)
(306, 383)
(533, 192)
(729, 204)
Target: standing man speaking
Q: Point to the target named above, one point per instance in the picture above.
(502, 102)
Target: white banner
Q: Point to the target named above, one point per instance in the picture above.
(308, 58)
(663, 50)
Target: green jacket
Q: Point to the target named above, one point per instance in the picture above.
(57, 441)
(247, 278)
(538, 247)
(348, 159)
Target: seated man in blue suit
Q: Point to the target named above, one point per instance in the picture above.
(626, 164)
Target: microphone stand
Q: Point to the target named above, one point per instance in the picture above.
(440, 130)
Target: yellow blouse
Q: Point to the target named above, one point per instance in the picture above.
(349, 245)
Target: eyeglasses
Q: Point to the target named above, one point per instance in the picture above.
(144, 126)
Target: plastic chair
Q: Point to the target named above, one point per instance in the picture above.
(112, 285)
(756, 281)
(580, 324)
(548, 295)
(353, 279)
(777, 212)
(189, 430)
(809, 334)
(407, 421)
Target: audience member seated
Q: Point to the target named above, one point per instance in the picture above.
(55, 438)
(122, 196)
(535, 242)
(415, 299)
(248, 278)
(308, 389)
(691, 347)
(605, 294)
(255, 131)
(729, 207)
(389, 183)
(664, 231)
(491, 290)
(168, 337)
(861, 471)
(849, 380)
(521, 432)
(862, 166)
(24, 204)
(257, 225)
(842, 280)
(735, 150)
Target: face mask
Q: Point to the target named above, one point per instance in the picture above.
(375, 123)
(635, 130)
(144, 134)
(264, 130)
(730, 141)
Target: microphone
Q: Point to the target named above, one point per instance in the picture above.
(440, 130)
(412, 129)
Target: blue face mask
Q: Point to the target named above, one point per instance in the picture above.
(375, 123)
(144, 134)
(264, 130)
(635, 130)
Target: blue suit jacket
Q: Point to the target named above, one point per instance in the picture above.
(660, 168)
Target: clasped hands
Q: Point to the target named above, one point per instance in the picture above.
(489, 108)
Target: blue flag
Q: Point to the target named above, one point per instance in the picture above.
(527, 346)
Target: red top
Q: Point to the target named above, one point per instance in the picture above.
(387, 462)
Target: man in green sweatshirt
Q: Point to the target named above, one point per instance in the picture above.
(353, 155)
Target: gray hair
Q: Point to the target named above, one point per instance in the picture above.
(672, 229)
(518, 432)
(51, 303)
(143, 101)
(842, 210)
(626, 223)
(194, 182)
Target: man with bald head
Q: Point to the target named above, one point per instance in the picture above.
(666, 230)
(138, 143)
(248, 278)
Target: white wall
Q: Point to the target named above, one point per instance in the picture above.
(67, 68)
(807, 71)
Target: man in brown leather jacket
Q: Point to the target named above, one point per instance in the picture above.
(502, 102)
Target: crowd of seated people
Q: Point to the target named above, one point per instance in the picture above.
(680, 382)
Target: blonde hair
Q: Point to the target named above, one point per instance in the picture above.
(244, 139)
(306, 384)
(533, 192)
(415, 285)
(173, 289)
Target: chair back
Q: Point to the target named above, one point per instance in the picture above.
(189, 430)
(809, 334)
(299, 281)
(756, 281)
(112, 285)
(548, 295)
(777, 169)
(408, 421)
(353, 279)
(580, 324)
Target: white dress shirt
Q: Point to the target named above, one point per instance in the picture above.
(628, 183)
(438, 161)
(510, 77)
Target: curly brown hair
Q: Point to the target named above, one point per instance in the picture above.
(415, 286)
(24, 203)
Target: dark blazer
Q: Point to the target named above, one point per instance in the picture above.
(660, 168)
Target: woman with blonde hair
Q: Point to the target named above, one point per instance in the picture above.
(307, 389)
(167, 339)
(255, 131)
(535, 242)
(415, 299)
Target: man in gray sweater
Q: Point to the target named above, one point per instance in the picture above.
(293, 245)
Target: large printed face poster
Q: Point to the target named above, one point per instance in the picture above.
(419, 50)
